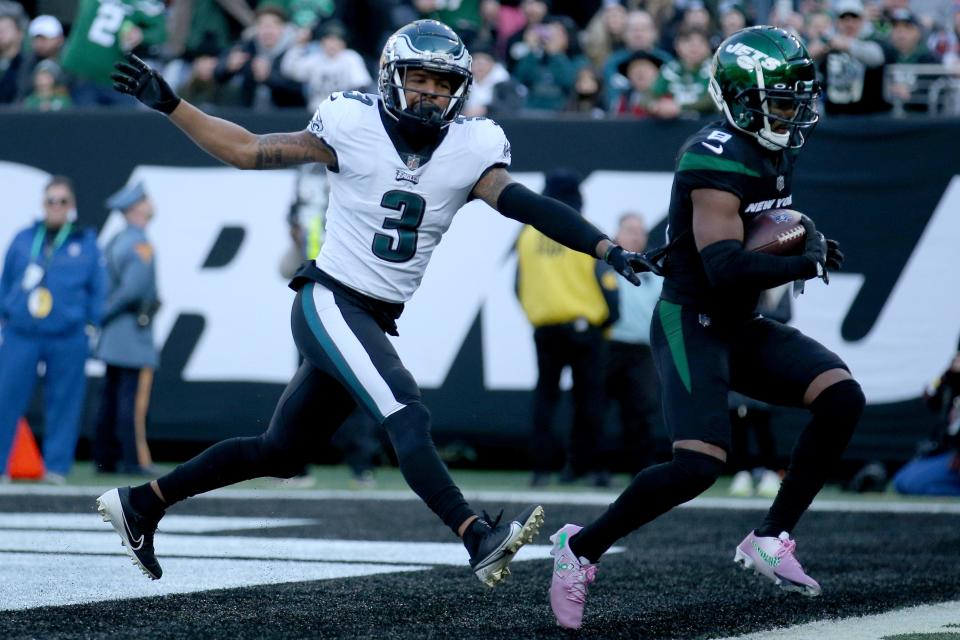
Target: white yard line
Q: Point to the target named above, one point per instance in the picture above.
(539, 497)
(943, 618)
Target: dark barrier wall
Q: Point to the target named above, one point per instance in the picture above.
(873, 184)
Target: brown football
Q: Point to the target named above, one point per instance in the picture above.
(777, 232)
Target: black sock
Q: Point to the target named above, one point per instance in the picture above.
(654, 491)
(145, 501)
(474, 534)
(836, 412)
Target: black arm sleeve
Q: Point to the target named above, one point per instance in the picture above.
(728, 263)
(550, 217)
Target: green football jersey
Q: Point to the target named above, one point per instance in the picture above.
(95, 41)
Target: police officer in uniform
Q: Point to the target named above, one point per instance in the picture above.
(126, 342)
(51, 291)
(705, 335)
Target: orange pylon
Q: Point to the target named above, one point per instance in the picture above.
(25, 462)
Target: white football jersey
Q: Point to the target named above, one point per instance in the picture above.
(386, 212)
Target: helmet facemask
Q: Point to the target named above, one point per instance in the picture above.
(424, 111)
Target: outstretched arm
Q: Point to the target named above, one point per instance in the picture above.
(224, 140)
(552, 218)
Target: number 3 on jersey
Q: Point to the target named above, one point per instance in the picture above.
(412, 208)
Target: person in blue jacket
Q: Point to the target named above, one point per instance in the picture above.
(51, 289)
(126, 342)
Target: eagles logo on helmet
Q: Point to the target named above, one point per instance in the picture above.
(764, 81)
(431, 46)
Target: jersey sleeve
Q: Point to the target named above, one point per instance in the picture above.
(325, 123)
(709, 164)
(490, 144)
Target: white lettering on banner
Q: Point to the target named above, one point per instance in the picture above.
(246, 304)
(916, 331)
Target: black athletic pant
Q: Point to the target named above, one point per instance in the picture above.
(559, 346)
(348, 361)
(634, 386)
(115, 444)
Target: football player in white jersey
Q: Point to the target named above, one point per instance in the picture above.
(400, 166)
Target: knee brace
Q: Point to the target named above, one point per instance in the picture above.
(409, 429)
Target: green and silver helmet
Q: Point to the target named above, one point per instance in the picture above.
(765, 83)
(432, 46)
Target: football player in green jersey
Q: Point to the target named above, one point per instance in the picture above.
(706, 337)
(102, 33)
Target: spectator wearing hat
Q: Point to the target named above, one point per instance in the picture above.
(906, 38)
(682, 85)
(330, 66)
(11, 58)
(570, 300)
(255, 64)
(641, 34)
(49, 92)
(851, 66)
(46, 43)
(51, 291)
(126, 341)
(642, 70)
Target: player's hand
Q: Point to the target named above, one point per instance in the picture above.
(641, 262)
(135, 78)
(834, 255)
(815, 248)
(620, 260)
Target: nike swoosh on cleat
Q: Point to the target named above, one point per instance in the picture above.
(717, 149)
(138, 542)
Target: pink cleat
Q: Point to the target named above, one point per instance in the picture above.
(773, 558)
(571, 577)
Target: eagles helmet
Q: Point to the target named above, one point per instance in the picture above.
(432, 46)
(765, 83)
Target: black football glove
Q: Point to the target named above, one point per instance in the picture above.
(815, 248)
(621, 260)
(135, 78)
(834, 255)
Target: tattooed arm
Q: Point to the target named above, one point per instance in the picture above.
(234, 145)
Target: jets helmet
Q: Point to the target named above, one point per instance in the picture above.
(432, 46)
(765, 83)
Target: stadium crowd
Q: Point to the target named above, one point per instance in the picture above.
(603, 58)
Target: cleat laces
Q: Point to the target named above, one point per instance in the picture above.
(577, 591)
(492, 522)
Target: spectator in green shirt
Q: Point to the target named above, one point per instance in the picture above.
(49, 93)
(684, 81)
(548, 71)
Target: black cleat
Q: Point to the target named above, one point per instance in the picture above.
(136, 532)
(501, 542)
